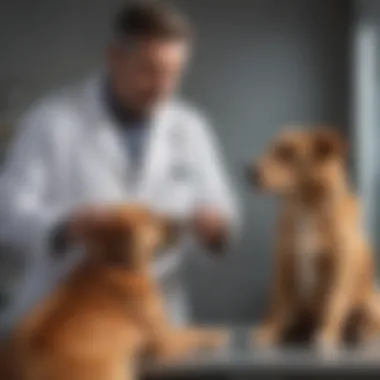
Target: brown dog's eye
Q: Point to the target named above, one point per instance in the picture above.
(323, 149)
(326, 147)
(285, 153)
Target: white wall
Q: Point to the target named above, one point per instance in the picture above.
(366, 107)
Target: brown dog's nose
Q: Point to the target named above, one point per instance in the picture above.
(252, 174)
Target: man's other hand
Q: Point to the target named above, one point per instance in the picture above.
(211, 228)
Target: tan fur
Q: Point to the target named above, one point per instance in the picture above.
(104, 317)
(311, 181)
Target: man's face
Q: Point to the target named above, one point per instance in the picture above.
(147, 72)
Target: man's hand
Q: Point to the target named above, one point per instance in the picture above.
(211, 228)
(72, 229)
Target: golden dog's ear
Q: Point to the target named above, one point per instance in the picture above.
(329, 143)
(117, 245)
(108, 241)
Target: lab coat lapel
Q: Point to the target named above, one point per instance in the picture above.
(112, 150)
(156, 155)
(106, 143)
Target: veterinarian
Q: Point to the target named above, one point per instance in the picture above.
(121, 136)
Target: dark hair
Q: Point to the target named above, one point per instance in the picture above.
(150, 19)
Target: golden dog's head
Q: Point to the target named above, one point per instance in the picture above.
(307, 162)
(128, 235)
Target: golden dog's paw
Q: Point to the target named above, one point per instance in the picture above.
(189, 342)
(264, 336)
(214, 338)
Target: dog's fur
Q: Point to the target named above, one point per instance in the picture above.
(324, 270)
(107, 313)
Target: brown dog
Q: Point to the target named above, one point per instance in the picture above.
(107, 313)
(324, 270)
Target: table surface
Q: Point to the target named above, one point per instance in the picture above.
(240, 356)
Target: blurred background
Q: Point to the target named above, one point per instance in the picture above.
(259, 64)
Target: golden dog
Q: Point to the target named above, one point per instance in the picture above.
(324, 270)
(107, 313)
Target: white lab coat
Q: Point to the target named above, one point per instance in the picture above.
(68, 152)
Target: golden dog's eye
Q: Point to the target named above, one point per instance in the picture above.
(285, 153)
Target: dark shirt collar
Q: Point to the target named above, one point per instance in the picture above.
(124, 118)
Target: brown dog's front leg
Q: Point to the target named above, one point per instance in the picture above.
(329, 335)
(339, 300)
(271, 331)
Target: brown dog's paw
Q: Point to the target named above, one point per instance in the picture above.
(327, 345)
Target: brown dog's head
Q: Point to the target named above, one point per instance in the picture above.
(129, 236)
(302, 162)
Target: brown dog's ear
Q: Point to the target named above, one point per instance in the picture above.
(328, 144)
